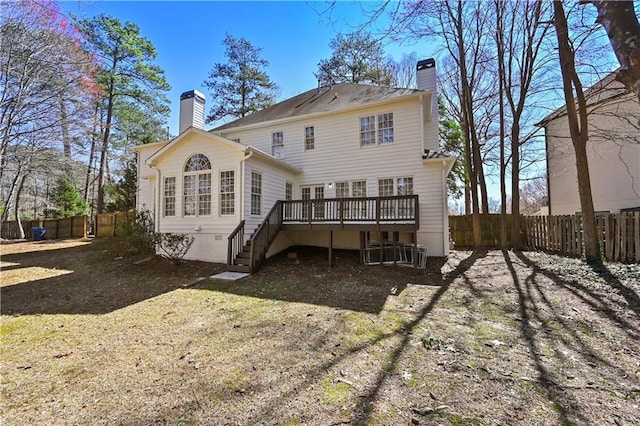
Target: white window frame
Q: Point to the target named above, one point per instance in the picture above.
(277, 144)
(309, 138)
(169, 198)
(227, 192)
(256, 193)
(200, 199)
(377, 129)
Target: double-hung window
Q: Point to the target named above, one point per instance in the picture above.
(396, 208)
(227, 192)
(309, 138)
(197, 186)
(256, 193)
(367, 130)
(170, 196)
(277, 144)
(376, 129)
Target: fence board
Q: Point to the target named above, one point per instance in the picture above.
(55, 228)
(618, 233)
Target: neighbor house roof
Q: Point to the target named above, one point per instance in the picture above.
(321, 100)
(604, 90)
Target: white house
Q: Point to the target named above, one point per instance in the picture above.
(613, 152)
(344, 166)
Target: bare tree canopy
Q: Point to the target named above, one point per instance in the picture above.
(621, 23)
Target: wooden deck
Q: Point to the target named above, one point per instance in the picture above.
(399, 213)
(385, 214)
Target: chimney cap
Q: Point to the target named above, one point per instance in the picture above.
(192, 94)
(426, 63)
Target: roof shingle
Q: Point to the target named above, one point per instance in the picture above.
(321, 100)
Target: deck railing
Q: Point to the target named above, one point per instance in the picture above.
(378, 210)
(265, 234)
(236, 243)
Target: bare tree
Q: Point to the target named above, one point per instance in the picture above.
(578, 128)
(521, 30)
(404, 70)
(621, 23)
(41, 63)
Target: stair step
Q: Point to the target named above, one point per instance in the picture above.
(244, 255)
(241, 261)
(238, 268)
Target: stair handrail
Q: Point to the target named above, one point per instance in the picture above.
(235, 242)
(265, 234)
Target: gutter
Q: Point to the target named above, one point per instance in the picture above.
(156, 201)
(248, 153)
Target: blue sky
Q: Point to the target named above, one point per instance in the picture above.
(188, 37)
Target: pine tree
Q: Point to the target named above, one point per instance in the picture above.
(240, 86)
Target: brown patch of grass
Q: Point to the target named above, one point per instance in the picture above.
(492, 337)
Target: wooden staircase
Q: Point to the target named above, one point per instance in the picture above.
(242, 261)
(246, 257)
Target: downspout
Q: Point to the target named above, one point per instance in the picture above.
(248, 154)
(546, 150)
(445, 211)
(156, 200)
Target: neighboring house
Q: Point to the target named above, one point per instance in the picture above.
(344, 166)
(613, 151)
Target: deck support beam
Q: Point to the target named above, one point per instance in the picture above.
(330, 249)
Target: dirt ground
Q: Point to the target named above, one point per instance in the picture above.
(92, 336)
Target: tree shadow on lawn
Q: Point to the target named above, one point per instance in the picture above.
(362, 411)
(96, 278)
(309, 279)
(544, 324)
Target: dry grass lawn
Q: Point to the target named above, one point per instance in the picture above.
(91, 338)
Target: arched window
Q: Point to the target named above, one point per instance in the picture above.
(197, 186)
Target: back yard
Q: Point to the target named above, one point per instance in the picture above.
(91, 337)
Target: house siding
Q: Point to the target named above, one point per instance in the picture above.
(210, 231)
(338, 157)
(613, 151)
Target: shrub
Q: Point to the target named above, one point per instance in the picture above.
(174, 246)
(140, 230)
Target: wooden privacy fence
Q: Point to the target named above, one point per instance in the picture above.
(619, 234)
(69, 227)
(109, 225)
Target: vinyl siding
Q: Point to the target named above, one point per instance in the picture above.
(211, 231)
(338, 156)
(613, 150)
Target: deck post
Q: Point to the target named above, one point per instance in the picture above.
(395, 245)
(362, 247)
(330, 249)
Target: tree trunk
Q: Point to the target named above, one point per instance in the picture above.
(578, 128)
(16, 207)
(621, 23)
(104, 150)
(64, 127)
(500, 50)
(516, 243)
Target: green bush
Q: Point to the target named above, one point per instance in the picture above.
(140, 230)
(175, 246)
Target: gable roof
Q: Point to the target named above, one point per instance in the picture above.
(247, 149)
(602, 91)
(321, 100)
